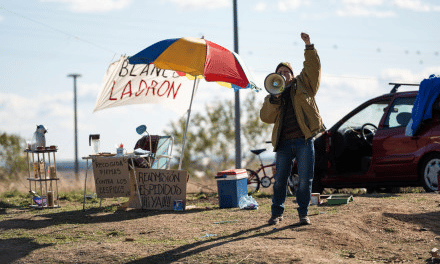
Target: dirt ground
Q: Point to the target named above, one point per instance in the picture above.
(373, 228)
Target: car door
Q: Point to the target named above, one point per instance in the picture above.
(393, 152)
(347, 161)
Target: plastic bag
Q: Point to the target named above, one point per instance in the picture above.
(40, 201)
(247, 202)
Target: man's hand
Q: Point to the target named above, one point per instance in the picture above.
(305, 37)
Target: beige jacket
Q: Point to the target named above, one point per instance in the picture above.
(303, 100)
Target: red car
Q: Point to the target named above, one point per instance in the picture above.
(368, 148)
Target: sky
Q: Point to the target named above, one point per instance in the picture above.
(363, 46)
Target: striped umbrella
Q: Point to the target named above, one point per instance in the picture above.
(197, 58)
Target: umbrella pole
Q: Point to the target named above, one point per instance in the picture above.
(196, 83)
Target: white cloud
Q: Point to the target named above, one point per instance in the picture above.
(348, 89)
(21, 113)
(90, 6)
(407, 76)
(364, 2)
(2, 18)
(89, 90)
(260, 7)
(381, 8)
(358, 11)
(400, 76)
(285, 5)
(415, 5)
(201, 4)
(363, 8)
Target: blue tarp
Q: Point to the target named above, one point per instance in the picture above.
(422, 109)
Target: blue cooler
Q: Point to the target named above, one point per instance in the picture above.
(232, 185)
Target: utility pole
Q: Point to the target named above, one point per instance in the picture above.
(237, 98)
(74, 76)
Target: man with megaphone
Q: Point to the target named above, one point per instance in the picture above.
(296, 119)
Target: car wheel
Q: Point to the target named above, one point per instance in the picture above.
(429, 173)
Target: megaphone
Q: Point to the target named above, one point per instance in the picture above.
(275, 83)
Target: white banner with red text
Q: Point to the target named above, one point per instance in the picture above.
(126, 84)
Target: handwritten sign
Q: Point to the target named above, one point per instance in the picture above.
(111, 177)
(126, 83)
(159, 189)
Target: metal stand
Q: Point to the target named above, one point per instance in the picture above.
(44, 174)
(85, 183)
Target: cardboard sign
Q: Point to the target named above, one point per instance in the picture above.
(160, 189)
(111, 177)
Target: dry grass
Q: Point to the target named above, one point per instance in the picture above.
(68, 182)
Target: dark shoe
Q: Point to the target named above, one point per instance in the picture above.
(304, 220)
(275, 219)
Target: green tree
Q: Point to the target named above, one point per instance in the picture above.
(12, 157)
(210, 142)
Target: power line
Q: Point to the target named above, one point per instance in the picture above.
(58, 30)
(265, 47)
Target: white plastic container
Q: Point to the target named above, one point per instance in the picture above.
(315, 199)
(120, 151)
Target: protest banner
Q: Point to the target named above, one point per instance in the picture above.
(125, 84)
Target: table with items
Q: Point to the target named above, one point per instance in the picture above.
(123, 175)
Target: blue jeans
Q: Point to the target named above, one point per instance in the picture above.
(305, 157)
